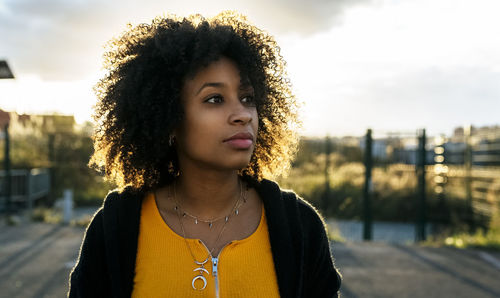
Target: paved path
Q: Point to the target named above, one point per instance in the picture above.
(35, 260)
(394, 270)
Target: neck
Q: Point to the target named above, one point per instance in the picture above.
(207, 194)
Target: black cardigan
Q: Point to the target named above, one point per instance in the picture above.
(299, 245)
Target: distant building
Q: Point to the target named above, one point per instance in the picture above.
(40, 124)
(454, 153)
(484, 142)
(487, 152)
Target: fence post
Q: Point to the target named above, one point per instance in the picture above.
(367, 212)
(8, 175)
(468, 178)
(420, 169)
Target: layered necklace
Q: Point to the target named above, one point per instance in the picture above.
(200, 266)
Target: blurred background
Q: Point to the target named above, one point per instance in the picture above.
(400, 146)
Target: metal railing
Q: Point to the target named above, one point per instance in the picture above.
(27, 186)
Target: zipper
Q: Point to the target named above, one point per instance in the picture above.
(215, 262)
(215, 267)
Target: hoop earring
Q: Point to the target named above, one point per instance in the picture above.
(171, 140)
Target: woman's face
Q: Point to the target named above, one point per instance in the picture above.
(220, 122)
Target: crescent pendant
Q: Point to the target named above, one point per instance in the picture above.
(204, 282)
(202, 269)
(202, 263)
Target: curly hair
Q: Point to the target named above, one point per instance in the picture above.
(139, 97)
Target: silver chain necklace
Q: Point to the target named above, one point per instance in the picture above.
(200, 265)
(210, 222)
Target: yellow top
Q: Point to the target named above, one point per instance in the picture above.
(165, 268)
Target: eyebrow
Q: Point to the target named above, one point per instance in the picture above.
(210, 84)
(244, 86)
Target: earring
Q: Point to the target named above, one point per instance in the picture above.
(171, 140)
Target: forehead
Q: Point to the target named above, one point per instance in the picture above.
(223, 70)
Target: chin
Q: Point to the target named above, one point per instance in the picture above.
(239, 164)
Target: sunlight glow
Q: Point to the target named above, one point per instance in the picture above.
(380, 65)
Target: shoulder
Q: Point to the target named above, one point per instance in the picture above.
(310, 217)
(109, 207)
(122, 199)
(114, 196)
(120, 210)
(309, 237)
(295, 206)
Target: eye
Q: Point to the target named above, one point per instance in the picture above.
(248, 100)
(214, 99)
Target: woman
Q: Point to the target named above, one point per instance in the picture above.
(194, 114)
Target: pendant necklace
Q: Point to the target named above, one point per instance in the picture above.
(210, 222)
(200, 265)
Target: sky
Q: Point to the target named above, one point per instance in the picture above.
(389, 65)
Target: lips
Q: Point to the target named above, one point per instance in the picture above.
(241, 135)
(243, 140)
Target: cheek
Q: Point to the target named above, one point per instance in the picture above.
(199, 131)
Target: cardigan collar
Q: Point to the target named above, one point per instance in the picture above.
(122, 215)
(279, 235)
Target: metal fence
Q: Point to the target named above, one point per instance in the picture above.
(27, 186)
(452, 183)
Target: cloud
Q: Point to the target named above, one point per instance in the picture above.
(62, 40)
(384, 68)
(356, 64)
(303, 17)
(438, 99)
(54, 39)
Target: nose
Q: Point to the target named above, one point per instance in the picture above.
(240, 114)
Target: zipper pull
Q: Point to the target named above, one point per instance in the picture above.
(215, 262)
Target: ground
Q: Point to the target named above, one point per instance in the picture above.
(396, 270)
(36, 258)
